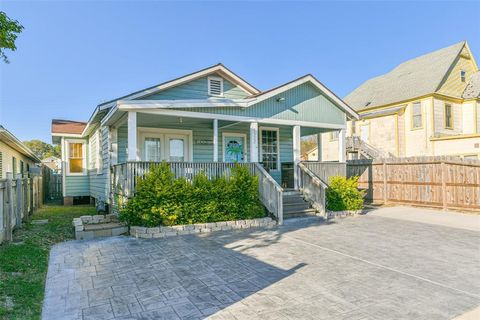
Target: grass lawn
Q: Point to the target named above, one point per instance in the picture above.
(23, 263)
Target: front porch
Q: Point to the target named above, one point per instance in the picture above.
(269, 148)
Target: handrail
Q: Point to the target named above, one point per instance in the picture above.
(271, 193)
(313, 189)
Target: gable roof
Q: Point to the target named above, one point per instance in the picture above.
(68, 126)
(12, 141)
(413, 78)
(472, 90)
(218, 68)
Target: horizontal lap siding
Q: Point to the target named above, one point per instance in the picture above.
(98, 182)
(302, 103)
(77, 186)
(197, 89)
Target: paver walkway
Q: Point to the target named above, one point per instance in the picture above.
(367, 267)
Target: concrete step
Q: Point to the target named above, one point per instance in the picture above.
(293, 207)
(299, 213)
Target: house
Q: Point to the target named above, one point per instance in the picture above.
(53, 163)
(15, 157)
(208, 118)
(427, 106)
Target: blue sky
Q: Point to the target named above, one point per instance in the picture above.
(73, 55)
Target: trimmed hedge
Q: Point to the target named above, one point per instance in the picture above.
(343, 194)
(160, 199)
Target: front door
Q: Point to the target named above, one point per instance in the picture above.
(176, 147)
(234, 148)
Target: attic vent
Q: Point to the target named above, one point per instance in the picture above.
(215, 86)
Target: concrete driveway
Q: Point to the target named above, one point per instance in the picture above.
(368, 267)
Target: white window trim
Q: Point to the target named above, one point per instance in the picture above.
(161, 133)
(221, 86)
(67, 157)
(261, 129)
(235, 134)
(99, 158)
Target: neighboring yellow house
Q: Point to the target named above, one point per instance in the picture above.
(427, 106)
(15, 157)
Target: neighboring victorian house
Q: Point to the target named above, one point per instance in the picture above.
(15, 157)
(208, 117)
(427, 106)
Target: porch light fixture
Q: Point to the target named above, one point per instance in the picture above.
(280, 99)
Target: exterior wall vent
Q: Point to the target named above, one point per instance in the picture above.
(215, 86)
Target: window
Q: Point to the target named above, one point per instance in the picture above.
(177, 151)
(462, 75)
(448, 116)
(417, 121)
(75, 157)
(152, 149)
(334, 135)
(14, 166)
(99, 159)
(215, 86)
(22, 170)
(269, 148)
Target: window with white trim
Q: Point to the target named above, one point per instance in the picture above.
(215, 86)
(463, 76)
(99, 159)
(76, 157)
(448, 116)
(269, 148)
(417, 121)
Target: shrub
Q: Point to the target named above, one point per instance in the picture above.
(160, 199)
(343, 194)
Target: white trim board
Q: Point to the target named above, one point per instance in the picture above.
(203, 115)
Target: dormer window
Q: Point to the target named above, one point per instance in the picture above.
(462, 76)
(215, 86)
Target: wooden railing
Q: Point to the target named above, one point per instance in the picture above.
(325, 170)
(313, 188)
(124, 179)
(271, 193)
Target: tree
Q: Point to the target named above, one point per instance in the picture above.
(42, 149)
(307, 143)
(9, 30)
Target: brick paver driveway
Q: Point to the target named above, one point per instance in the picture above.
(368, 267)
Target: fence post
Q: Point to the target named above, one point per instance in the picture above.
(18, 220)
(8, 207)
(385, 198)
(444, 186)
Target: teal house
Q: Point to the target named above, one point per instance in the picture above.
(205, 120)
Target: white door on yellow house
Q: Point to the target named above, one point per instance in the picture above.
(365, 132)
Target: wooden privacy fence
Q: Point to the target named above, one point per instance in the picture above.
(52, 184)
(325, 170)
(19, 198)
(448, 183)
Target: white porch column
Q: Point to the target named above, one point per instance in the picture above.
(296, 155)
(319, 147)
(254, 142)
(342, 152)
(132, 136)
(215, 140)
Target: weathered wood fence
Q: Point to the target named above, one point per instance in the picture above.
(19, 198)
(52, 184)
(448, 183)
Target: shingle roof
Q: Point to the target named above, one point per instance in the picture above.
(413, 78)
(68, 126)
(473, 87)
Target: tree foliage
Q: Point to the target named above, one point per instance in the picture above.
(42, 149)
(307, 143)
(9, 30)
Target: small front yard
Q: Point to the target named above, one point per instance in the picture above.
(23, 263)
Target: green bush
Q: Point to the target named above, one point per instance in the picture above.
(343, 194)
(160, 199)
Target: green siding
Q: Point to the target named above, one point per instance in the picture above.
(302, 103)
(98, 180)
(197, 89)
(77, 186)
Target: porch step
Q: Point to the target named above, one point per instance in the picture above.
(294, 206)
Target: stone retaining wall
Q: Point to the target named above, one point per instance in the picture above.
(343, 214)
(162, 232)
(90, 227)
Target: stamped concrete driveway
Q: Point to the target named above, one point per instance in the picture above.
(368, 267)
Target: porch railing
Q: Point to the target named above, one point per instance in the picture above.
(313, 188)
(124, 179)
(325, 170)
